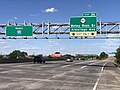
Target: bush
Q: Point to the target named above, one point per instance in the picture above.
(117, 61)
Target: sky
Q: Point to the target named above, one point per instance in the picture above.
(58, 11)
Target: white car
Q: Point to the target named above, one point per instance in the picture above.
(69, 60)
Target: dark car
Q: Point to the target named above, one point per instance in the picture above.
(39, 59)
(83, 59)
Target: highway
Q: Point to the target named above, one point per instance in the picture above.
(60, 75)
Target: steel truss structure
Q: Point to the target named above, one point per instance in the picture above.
(105, 30)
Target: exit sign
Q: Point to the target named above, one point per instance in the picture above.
(89, 14)
(85, 25)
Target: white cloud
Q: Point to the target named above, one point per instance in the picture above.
(112, 41)
(57, 43)
(53, 41)
(31, 48)
(1, 42)
(8, 47)
(33, 15)
(15, 18)
(51, 10)
(89, 5)
(11, 20)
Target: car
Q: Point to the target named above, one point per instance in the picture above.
(82, 59)
(69, 60)
(39, 59)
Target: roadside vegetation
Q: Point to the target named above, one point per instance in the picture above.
(17, 54)
(117, 55)
(103, 56)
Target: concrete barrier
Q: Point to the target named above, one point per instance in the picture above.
(15, 60)
(24, 60)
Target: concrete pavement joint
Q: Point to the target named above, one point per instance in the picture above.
(38, 80)
(66, 66)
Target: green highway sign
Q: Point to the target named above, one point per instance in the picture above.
(83, 26)
(112, 53)
(89, 14)
(19, 31)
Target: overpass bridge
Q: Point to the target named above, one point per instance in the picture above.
(105, 30)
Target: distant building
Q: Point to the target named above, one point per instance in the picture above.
(56, 55)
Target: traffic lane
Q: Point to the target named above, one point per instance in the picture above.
(38, 70)
(110, 79)
(21, 76)
(84, 76)
(41, 67)
(47, 78)
(14, 67)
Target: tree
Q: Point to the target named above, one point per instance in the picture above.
(79, 56)
(117, 55)
(66, 56)
(103, 56)
(24, 53)
(17, 54)
(48, 57)
(1, 56)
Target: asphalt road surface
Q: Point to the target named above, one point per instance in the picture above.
(60, 75)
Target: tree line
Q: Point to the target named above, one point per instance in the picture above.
(17, 54)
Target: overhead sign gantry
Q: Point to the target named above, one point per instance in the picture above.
(82, 27)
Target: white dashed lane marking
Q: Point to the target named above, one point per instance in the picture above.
(66, 66)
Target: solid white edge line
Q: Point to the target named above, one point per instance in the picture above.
(96, 84)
